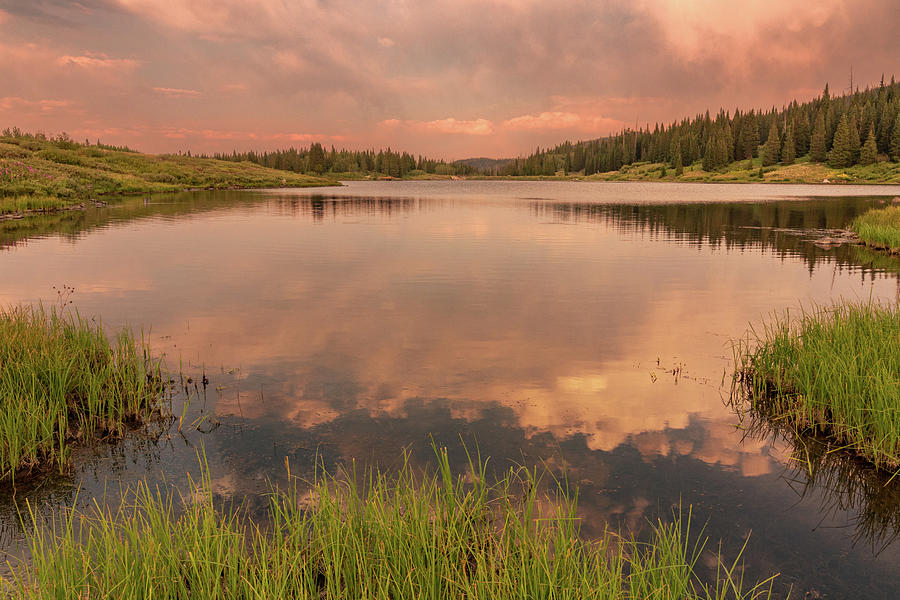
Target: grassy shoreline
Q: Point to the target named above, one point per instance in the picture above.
(416, 535)
(879, 229)
(832, 372)
(63, 383)
(42, 175)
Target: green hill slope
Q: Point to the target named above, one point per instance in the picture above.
(37, 173)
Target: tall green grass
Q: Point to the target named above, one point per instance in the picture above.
(62, 381)
(413, 535)
(833, 371)
(879, 228)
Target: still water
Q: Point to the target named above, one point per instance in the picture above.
(585, 326)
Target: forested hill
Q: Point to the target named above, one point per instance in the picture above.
(842, 131)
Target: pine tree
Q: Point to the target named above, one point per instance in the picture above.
(789, 149)
(841, 155)
(895, 139)
(676, 159)
(854, 138)
(772, 149)
(817, 140)
(869, 151)
(750, 135)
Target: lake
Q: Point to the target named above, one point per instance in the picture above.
(585, 326)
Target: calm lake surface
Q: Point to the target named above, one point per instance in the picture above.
(587, 326)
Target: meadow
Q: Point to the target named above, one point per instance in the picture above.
(46, 174)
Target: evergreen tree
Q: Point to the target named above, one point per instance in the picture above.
(854, 138)
(841, 155)
(895, 139)
(772, 148)
(676, 158)
(789, 149)
(817, 139)
(750, 135)
(869, 151)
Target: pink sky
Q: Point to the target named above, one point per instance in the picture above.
(446, 79)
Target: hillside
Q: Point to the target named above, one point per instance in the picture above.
(39, 173)
(835, 134)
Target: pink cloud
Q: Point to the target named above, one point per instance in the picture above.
(177, 92)
(4, 17)
(90, 60)
(386, 42)
(23, 105)
(545, 120)
(454, 126)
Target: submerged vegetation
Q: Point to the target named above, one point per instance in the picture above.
(61, 382)
(880, 228)
(411, 536)
(832, 372)
(38, 173)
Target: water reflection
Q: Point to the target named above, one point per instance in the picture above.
(590, 334)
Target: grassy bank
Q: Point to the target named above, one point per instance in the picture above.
(62, 382)
(409, 536)
(833, 372)
(880, 228)
(50, 174)
(802, 171)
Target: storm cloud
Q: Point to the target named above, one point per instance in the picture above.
(448, 79)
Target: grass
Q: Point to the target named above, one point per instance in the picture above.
(802, 171)
(63, 382)
(411, 536)
(829, 371)
(40, 174)
(880, 228)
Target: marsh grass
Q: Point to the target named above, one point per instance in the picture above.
(62, 381)
(830, 371)
(413, 535)
(879, 228)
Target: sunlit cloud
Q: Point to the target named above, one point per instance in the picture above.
(177, 92)
(98, 61)
(386, 42)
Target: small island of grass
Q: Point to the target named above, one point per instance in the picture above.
(62, 382)
(880, 228)
(832, 372)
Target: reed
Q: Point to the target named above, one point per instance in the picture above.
(413, 535)
(879, 228)
(61, 382)
(830, 371)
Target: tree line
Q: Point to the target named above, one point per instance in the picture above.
(316, 160)
(858, 127)
(861, 127)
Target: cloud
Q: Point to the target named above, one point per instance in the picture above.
(23, 105)
(386, 42)
(4, 17)
(98, 61)
(177, 92)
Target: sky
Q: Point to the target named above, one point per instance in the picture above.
(448, 79)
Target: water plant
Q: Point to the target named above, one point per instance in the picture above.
(832, 371)
(879, 228)
(62, 381)
(412, 535)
